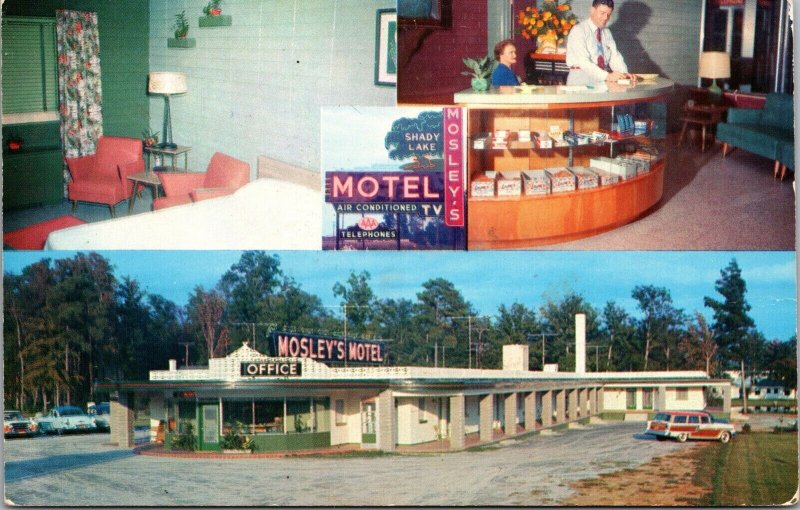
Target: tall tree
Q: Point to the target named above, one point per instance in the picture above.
(618, 330)
(781, 359)
(357, 301)
(732, 324)
(699, 345)
(438, 305)
(661, 323)
(206, 311)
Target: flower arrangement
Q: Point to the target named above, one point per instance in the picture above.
(552, 21)
(213, 8)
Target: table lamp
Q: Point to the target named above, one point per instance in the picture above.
(167, 84)
(713, 65)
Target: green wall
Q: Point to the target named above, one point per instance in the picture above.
(124, 41)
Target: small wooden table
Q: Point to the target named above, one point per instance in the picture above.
(172, 153)
(143, 179)
(703, 115)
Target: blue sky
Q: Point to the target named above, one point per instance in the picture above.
(487, 279)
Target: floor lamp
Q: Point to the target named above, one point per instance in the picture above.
(167, 84)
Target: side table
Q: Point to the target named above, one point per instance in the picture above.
(143, 179)
(155, 150)
(703, 116)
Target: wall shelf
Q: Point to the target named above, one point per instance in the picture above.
(185, 42)
(215, 21)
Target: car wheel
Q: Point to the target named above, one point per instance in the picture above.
(724, 437)
(683, 437)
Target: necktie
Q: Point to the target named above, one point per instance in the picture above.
(601, 62)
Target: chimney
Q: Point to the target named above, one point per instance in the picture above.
(173, 365)
(580, 343)
(515, 357)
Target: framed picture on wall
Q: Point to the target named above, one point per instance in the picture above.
(386, 48)
(424, 13)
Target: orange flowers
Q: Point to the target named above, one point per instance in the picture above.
(552, 17)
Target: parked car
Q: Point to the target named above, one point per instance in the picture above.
(16, 425)
(683, 425)
(102, 415)
(62, 419)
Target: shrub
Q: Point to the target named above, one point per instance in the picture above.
(185, 440)
(746, 428)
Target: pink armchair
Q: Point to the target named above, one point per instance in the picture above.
(102, 177)
(224, 176)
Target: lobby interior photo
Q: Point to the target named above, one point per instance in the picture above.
(742, 200)
(234, 96)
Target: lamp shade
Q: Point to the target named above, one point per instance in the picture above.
(167, 83)
(715, 64)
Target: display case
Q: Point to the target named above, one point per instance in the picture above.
(551, 164)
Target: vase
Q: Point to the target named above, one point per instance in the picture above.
(480, 84)
(547, 44)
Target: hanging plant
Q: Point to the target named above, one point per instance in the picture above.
(181, 26)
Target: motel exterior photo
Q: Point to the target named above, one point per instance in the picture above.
(294, 401)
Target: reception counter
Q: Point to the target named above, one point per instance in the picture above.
(498, 122)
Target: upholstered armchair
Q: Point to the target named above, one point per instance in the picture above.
(223, 176)
(102, 177)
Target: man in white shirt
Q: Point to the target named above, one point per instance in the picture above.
(592, 54)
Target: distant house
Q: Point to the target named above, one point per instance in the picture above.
(771, 389)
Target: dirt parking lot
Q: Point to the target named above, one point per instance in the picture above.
(76, 470)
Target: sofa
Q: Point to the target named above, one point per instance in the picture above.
(223, 176)
(768, 132)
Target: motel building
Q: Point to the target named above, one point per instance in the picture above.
(296, 402)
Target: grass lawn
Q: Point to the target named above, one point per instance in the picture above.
(753, 469)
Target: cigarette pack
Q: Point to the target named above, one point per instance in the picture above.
(642, 166)
(625, 169)
(543, 141)
(604, 177)
(483, 184)
(535, 182)
(602, 163)
(585, 178)
(500, 140)
(509, 184)
(481, 141)
(561, 179)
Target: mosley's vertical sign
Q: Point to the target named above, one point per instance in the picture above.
(453, 167)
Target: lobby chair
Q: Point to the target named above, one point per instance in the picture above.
(223, 176)
(102, 177)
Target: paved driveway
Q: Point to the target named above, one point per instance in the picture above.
(75, 470)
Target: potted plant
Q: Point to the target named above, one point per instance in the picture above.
(181, 26)
(480, 70)
(213, 8)
(149, 138)
(234, 441)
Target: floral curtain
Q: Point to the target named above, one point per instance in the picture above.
(79, 87)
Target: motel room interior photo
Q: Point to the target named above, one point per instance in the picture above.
(251, 91)
(253, 82)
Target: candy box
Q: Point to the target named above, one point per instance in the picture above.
(535, 182)
(585, 178)
(483, 185)
(561, 179)
(509, 183)
(604, 177)
(602, 162)
(543, 140)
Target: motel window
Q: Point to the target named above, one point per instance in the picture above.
(30, 81)
(682, 394)
(423, 417)
(276, 416)
(647, 399)
(757, 392)
(341, 417)
(630, 398)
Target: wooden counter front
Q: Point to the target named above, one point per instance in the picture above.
(521, 222)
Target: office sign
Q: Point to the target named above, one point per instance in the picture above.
(271, 369)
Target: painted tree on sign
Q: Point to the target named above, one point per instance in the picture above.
(421, 152)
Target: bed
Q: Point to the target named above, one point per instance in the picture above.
(280, 210)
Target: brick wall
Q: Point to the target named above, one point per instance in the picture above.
(430, 60)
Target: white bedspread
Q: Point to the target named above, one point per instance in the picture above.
(265, 214)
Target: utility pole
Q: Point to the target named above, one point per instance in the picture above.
(186, 356)
(543, 335)
(469, 334)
